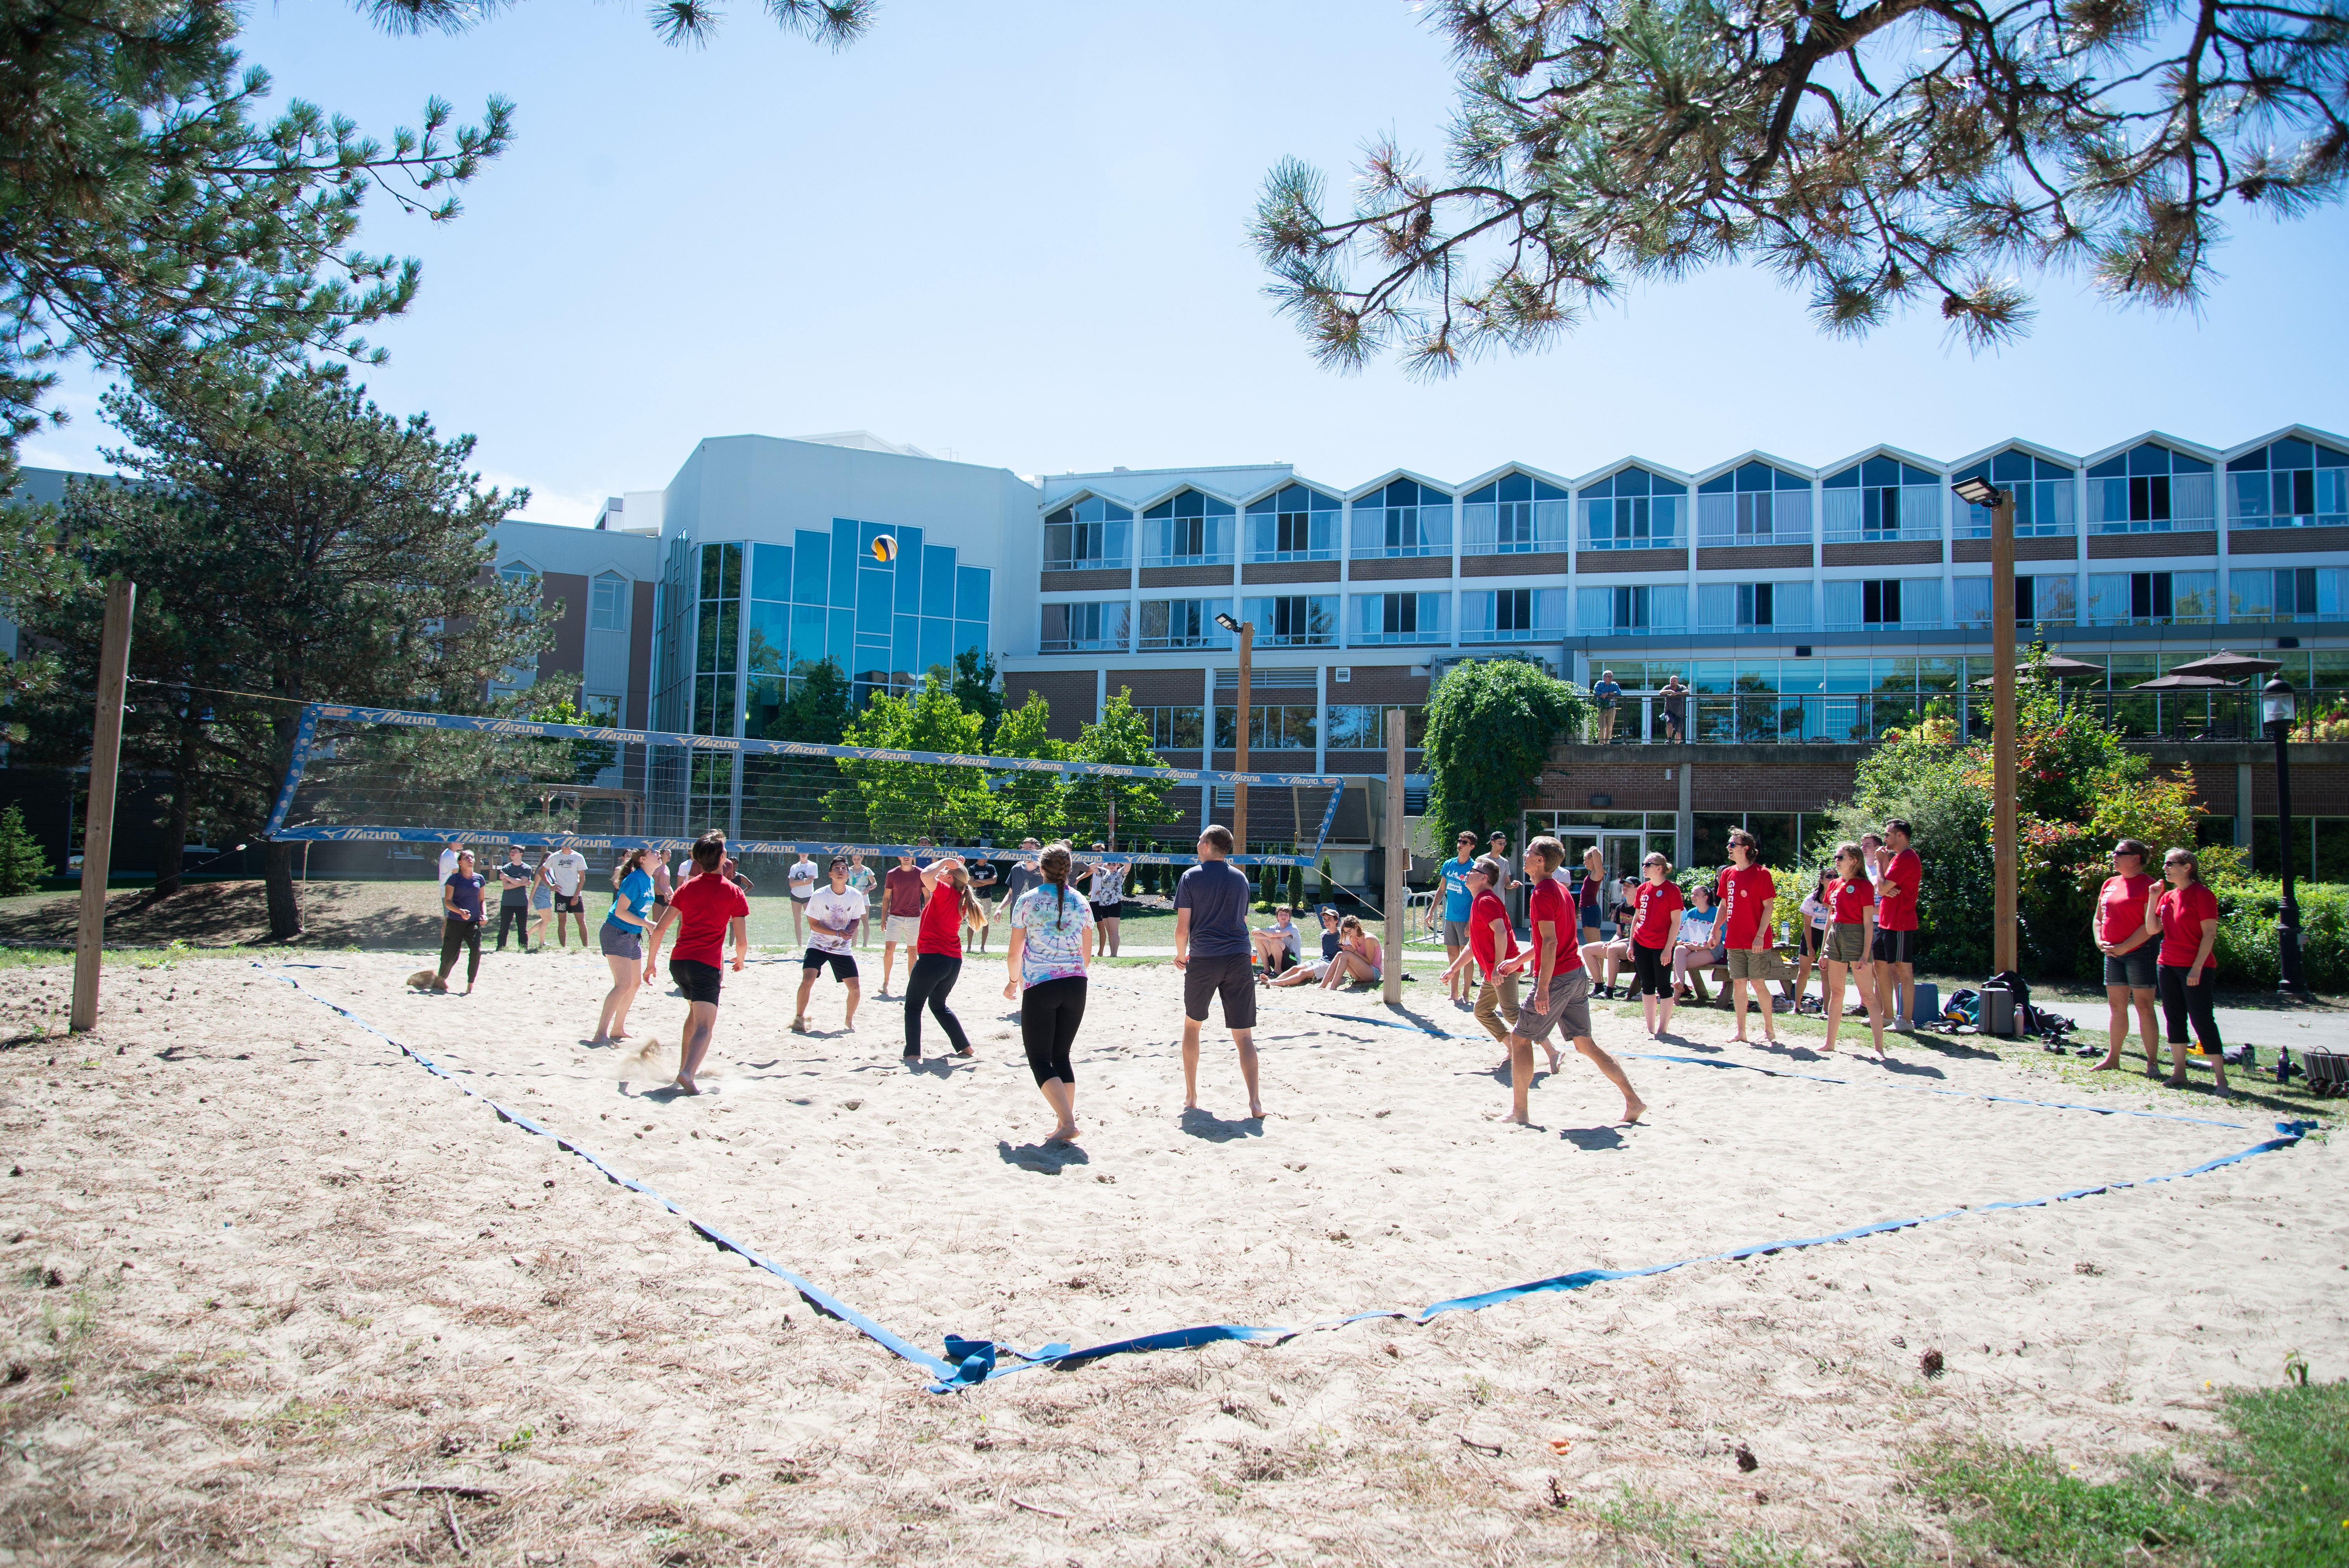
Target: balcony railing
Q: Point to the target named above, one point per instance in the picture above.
(1746, 718)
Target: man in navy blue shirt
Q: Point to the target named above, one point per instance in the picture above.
(1213, 950)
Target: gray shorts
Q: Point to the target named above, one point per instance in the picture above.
(1455, 933)
(2133, 968)
(1568, 1003)
(1750, 963)
(1846, 944)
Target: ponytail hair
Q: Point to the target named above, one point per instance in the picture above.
(974, 913)
(1054, 863)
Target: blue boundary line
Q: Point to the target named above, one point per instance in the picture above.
(970, 1362)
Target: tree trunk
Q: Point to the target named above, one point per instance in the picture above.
(175, 855)
(284, 902)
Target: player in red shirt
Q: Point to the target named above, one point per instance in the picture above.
(2187, 915)
(705, 910)
(1490, 944)
(1656, 906)
(1895, 947)
(937, 955)
(1747, 894)
(1561, 989)
(1851, 903)
(2124, 935)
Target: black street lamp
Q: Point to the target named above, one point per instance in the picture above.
(2277, 710)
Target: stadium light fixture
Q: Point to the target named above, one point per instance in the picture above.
(1978, 492)
(1228, 623)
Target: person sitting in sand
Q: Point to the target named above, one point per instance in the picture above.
(1359, 957)
(1310, 972)
(1279, 944)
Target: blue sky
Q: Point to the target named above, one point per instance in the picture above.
(1018, 236)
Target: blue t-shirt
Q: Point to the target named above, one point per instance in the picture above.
(1216, 892)
(1606, 692)
(465, 892)
(1456, 896)
(635, 891)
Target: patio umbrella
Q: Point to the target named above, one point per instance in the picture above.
(2228, 666)
(2176, 682)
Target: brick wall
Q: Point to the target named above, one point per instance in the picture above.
(1160, 689)
(2318, 789)
(1071, 693)
(2131, 546)
(1380, 683)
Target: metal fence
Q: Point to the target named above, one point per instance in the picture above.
(1755, 718)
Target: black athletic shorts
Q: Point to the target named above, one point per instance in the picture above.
(844, 964)
(1894, 946)
(1233, 974)
(570, 903)
(696, 980)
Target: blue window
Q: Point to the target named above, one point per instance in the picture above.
(1293, 621)
(937, 578)
(970, 601)
(1513, 614)
(809, 568)
(2042, 496)
(2291, 483)
(1183, 624)
(938, 645)
(1296, 522)
(908, 570)
(1882, 498)
(844, 563)
(2151, 490)
(1515, 514)
(1631, 510)
(839, 638)
(770, 572)
(1403, 517)
(906, 643)
(1753, 503)
(769, 651)
(807, 636)
(1384, 618)
(875, 593)
(1089, 534)
(970, 637)
(1190, 529)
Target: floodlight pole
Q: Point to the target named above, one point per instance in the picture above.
(1398, 860)
(97, 825)
(2001, 668)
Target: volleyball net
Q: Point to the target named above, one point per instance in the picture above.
(386, 775)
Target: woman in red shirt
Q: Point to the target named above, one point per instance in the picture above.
(2187, 916)
(2125, 938)
(1851, 905)
(1654, 906)
(705, 910)
(937, 953)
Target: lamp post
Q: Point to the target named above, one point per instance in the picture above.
(1246, 632)
(1978, 492)
(2277, 710)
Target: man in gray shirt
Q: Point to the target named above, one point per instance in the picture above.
(1215, 952)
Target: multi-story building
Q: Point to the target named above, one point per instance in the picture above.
(1810, 605)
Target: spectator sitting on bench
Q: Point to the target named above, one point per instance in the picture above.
(1698, 946)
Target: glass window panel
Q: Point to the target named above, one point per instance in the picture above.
(875, 592)
(909, 571)
(770, 572)
(770, 636)
(843, 564)
(972, 594)
(937, 579)
(809, 566)
(905, 639)
(938, 645)
(839, 638)
(807, 636)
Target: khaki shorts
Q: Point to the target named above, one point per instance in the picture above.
(1847, 944)
(1568, 1003)
(904, 928)
(1750, 964)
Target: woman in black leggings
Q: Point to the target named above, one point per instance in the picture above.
(937, 953)
(2185, 916)
(1051, 943)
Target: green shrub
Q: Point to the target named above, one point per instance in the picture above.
(2246, 952)
(21, 864)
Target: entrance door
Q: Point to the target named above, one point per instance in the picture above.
(1618, 857)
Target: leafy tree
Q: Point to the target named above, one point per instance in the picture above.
(1118, 738)
(1489, 728)
(1933, 784)
(978, 690)
(1876, 154)
(150, 217)
(900, 801)
(21, 864)
(1030, 804)
(816, 711)
(291, 542)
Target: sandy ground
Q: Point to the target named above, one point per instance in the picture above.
(265, 1278)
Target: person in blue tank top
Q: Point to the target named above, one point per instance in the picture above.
(1458, 898)
(623, 938)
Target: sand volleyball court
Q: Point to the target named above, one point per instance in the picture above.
(318, 1286)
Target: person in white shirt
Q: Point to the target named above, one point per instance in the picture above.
(566, 872)
(448, 854)
(1108, 898)
(799, 882)
(1872, 855)
(834, 913)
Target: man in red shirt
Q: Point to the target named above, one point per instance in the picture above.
(1490, 943)
(706, 910)
(902, 897)
(1896, 927)
(1561, 989)
(1747, 894)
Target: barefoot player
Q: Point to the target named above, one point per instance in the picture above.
(834, 914)
(1212, 950)
(1747, 894)
(1895, 950)
(1561, 988)
(706, 910)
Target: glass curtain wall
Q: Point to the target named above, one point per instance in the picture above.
(1296, 522)
(2151, 490)
(1881, 498)
(2042, 496)
(1516, 514)
(1633, 510)
(1191, 529)
(1403, 517)
(1753, 503)
(2291, 483)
